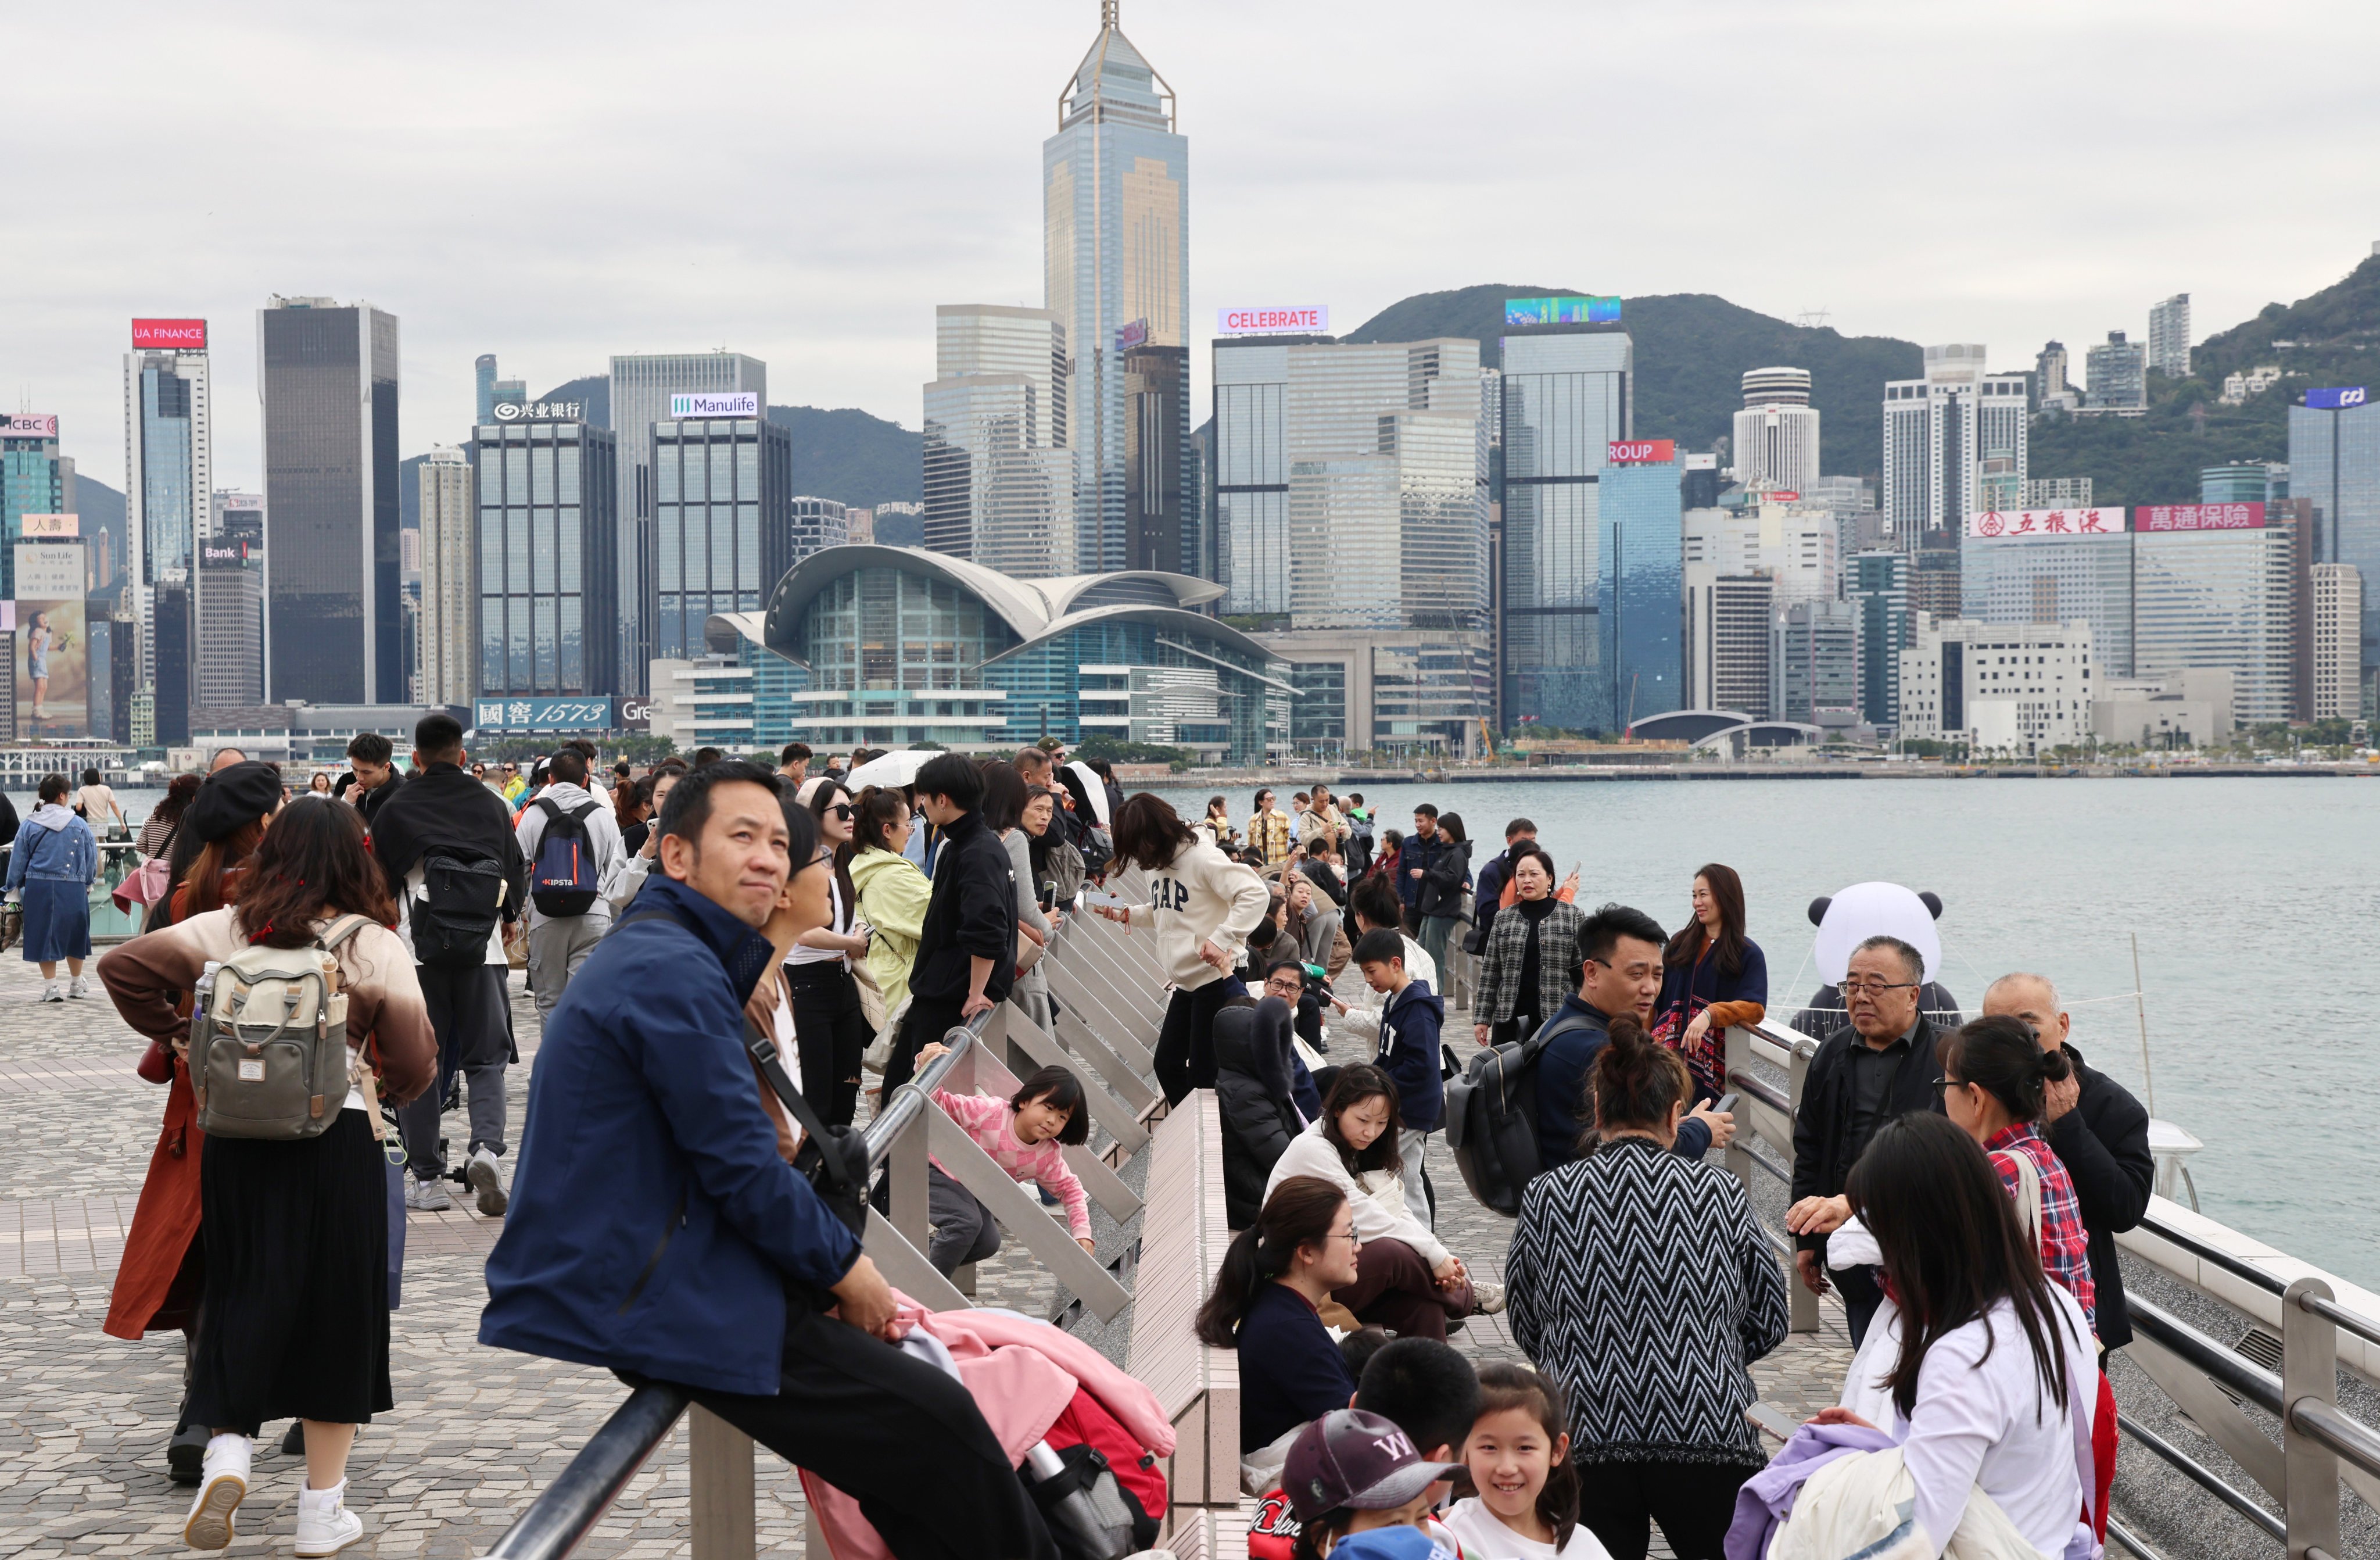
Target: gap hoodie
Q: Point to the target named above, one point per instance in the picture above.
(1408, 1053)
(53, 846)
(1201, 895)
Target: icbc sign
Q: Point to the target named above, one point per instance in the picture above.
(186, 336)
(1641, 452)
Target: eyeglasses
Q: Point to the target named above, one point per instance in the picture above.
(1857, 985)
(1284, 986)
(1943, 1085)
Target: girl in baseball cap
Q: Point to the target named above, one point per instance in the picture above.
(1350, 1472)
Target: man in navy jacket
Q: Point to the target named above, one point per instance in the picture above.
(655, 1230)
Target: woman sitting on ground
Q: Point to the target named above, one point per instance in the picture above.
(1407, 1282)
(1531, 962)
(1267, 1301)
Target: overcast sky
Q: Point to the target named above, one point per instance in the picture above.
(555, 183)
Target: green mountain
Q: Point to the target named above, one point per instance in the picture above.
(1691, 349)
(843, 454)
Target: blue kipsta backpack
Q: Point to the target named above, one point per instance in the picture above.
(565, 882)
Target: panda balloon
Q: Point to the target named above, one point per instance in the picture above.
(1874, 909)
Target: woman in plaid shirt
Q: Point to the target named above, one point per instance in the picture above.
(1993, 1076)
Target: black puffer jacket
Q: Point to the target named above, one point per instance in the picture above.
(1252, 1069)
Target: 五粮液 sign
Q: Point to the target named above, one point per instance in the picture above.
(1992, 525)
(542, 713)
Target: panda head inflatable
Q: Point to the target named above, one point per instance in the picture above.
(1874, 910)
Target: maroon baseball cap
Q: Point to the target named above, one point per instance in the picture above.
(1352, 1459)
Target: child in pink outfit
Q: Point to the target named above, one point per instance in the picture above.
(1024, 1136)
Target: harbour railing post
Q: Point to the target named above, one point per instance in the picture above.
(2310, 1469)
(1804, 1305)
(718, 1486)
(1739, 1149)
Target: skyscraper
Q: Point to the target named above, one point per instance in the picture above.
(2220, 585)
(483, 377)
(818, 523)
(1816, 660)
(2053, 565)
(1116, 253)
(1777, 432)
(2338, 670)
(229, 664)
(168, 457)
(2118, 374)
(34, 479)
(1942, 434)
(450, 589)
(2170, 336)
(641, 388)
(1637, 598)
(1000, 485)
(1730, 649)
(334, 620)
(723, 492)
(1875, 583)
(2335, 461)
(546, 568)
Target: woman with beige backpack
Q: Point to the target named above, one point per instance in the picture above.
(307, 1011)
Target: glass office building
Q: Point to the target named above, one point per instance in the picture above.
(1567, 396)
(2335, 461)
(168, 465)
(548, 552)
(1640, 660)
(34, 479)
(2055, 579)
(723, 524)
(1875, 583)
(333, 613)
(2223, 600)
(1251, 389)
(1116, 255)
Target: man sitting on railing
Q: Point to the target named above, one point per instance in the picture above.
(656, 1230)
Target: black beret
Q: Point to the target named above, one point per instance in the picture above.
(230, 798)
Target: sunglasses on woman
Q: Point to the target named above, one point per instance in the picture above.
(842, 810)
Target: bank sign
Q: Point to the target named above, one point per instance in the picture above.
(540, 713)
(1993, 525)
(2337, 400)
(715, 403)
(540, 411)
(180, 336)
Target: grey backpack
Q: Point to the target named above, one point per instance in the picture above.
(269, 1041)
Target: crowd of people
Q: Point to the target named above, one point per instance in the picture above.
(666, 1219)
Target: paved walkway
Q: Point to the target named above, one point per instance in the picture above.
(84, 1418)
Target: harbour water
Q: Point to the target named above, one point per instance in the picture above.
(2254, 901)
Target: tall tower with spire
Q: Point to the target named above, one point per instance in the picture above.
(1115, 200)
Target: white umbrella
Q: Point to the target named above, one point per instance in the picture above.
(1094, 788)
(889, 769)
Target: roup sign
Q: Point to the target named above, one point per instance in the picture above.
(541, 714)
(540, 411)
(1993, 525)
(2202, 517)
(2338, 399)
(1561, 311)
(1305, 320)
(51, 526)
(28, 425)
(176, 336)
(715, 403)
(1642, 452)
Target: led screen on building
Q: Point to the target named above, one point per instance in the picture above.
(1561, 311)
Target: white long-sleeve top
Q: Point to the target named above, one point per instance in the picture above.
(1989, 1423)
(602, 836)
(1311, 1153)
(1201, 895)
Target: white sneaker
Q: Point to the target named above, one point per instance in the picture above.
(412, 1190)
(325, 1526)
(431, 1196)
(223, 1484)
(487, 1182)
(53, 991)
(1487, 1297)
(80, 988)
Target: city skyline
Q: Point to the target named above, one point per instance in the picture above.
(1304, 192)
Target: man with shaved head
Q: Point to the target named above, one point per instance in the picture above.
(2100, 1133)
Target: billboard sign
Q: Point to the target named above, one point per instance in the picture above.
(543, 712)
(1707, 461)
(1996, 525)
(49, 569)
(2339, 398)
(1561, 311)
(223, 555)
(1131, 336)
(178, 335)
(2202, 517)
(1313, 318)
(715, 403)
(28, 425)
(51, 525)
(1642, 452)
(540, 411)
(635, 714)
(52, 663)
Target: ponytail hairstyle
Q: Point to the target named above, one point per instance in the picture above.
(1061, 1089)
(1299, 1213)
(1357, 1082)
(881, 811)
(206, 886)
(1504, 1385)
(1636, 1083)
(2003, 1054)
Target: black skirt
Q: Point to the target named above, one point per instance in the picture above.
(295, 1320)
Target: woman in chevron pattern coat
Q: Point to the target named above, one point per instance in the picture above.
(1639, 1281)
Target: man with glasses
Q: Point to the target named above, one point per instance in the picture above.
(1879, 1066)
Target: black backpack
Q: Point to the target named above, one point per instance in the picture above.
(463, 896)
(564, 881)
(1491, 1121)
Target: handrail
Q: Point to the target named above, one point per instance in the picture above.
(2200, 1474)
(2348, 1438)
(2232, 1371)
(2238, 1267)
(2340, 1316)
(567, 1510)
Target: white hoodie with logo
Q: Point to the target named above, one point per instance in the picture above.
(1200, 897)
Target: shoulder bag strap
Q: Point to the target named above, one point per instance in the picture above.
(772, 1068)
(2028, 1192)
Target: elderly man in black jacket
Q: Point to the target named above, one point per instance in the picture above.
(1879, 1066)
(2100, 1134)
(966, 949)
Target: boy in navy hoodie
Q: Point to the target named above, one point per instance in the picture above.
(1409, 1054)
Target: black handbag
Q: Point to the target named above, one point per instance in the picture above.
(832, 1159)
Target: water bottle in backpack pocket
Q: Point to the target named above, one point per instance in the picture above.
(269, 1041)
(563, 881)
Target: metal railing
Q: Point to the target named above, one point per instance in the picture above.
(2321, 1447)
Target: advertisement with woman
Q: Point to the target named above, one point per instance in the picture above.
(52, 669)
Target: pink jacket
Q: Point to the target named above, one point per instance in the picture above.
(1022, 1374)
(991, 1124)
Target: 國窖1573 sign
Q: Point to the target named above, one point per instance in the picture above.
(541, 714)
(1993, 525)
(1312, 319)
(715, 403)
